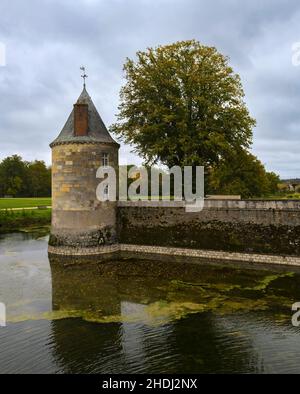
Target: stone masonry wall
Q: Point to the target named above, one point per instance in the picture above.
(271, 227)
(78, 218)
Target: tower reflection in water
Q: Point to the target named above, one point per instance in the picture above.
(114, 331)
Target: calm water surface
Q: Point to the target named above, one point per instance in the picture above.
(135, 316)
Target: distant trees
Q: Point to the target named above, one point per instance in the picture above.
(19, 178)
(39, 179)
(242, 174)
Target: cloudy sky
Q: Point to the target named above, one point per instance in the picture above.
(46, 42)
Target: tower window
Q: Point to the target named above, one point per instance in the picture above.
(105, 160)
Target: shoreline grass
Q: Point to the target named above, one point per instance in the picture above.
(17, 220)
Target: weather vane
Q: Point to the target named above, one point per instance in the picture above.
(84, 76)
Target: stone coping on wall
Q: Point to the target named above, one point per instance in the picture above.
(219, 204)
(144, 250)
(95, 251)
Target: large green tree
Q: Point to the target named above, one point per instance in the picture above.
(182, 104)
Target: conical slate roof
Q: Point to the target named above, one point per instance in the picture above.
(97, 131)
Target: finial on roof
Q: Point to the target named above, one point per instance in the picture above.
(84, 76)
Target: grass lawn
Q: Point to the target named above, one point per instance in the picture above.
(24, 202)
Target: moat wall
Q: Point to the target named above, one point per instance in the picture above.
(269, 227)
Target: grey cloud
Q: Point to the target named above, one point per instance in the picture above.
(47, 41)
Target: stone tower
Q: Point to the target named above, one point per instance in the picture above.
(79, 219)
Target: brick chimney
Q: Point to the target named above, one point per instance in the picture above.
(81, 119)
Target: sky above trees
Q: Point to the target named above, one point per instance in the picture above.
(48, 40)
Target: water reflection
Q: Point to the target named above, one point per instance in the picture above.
(130, 340)
(137, 316)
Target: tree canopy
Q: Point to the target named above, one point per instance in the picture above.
(19, 178)
(182, 104)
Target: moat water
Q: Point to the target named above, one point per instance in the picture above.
(143, 317)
